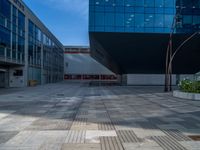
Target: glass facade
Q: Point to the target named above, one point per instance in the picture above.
(188, 15)
(52, 60)
(5, 29)
(12, 33)
(153, 16)
(44, 53)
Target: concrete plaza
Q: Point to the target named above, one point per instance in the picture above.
(67, 116)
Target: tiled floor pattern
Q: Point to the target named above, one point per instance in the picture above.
(72, 116)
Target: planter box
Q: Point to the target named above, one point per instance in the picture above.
(184, 95)
(33, 82)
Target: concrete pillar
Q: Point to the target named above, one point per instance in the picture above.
(26, 53)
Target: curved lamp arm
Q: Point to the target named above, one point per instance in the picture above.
(182, 44)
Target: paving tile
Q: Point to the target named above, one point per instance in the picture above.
(19, 148)
(88, 126)
(176, 135)
(93, 136)
(172, 126)
(146, 133)
(167, 143)
(5, 113)
(5, 136)
(171, 119)
(76, 116)
(81, 147)
(128, 136)
(50, 124)
(105, 126)
(147, 145)
(75, 136)
(79, 121)
(110, 143)
(22, 139)
(191, 145)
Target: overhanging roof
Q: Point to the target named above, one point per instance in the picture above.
(146, 52)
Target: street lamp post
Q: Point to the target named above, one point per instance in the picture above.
(168, 76)
(169, 52)
(171, 58)
(178, 48)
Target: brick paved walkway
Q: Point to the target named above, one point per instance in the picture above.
(78, 117)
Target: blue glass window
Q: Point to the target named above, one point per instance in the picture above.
(109, 2)
(168, 21)
(187, 19)
(99, 19)
(139, 20)
(139, 9)
(139, 3)
(110, 28)
(169, 3)
(169, 11)
(129, 3)
(21, 20)
(99, 28)
(119, 9)
(196, 20)
(159, 20)
(149, 10)
(5, 8)
(99, 8)
(4, 37)
(109, 19)
(120, 29)
(149, 3)
(91, 2)
(159, 10)
(159, 3)
(119, 2)
(119, 19)
(129, 20)
(109, 9)
(129, 9)
(92, 18)
(149, 20)
(143, 15)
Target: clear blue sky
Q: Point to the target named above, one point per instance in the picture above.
(66, 19)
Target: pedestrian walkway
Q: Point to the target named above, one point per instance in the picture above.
(72, 116)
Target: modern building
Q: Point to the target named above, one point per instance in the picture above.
(80, 66)
(29, 52)
(131, 37)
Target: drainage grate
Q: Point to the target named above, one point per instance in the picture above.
(128, 136)
(195, 137)
(105, 126)
(88, 95)
(167, 143)
(60, 94)
(176, 134)
(20, 96)
(110, 143)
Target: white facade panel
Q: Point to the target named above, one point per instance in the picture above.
(148, 79)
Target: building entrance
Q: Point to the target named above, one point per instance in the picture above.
(2, 79)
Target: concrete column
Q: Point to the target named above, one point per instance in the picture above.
(42, 63)
(26, 53)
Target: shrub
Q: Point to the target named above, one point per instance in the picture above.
(189, 86)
